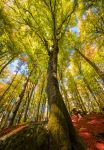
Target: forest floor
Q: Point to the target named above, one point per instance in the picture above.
(90, 128)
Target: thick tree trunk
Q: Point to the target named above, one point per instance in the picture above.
(96, 68)
(62, 133)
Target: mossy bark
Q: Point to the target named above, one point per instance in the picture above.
(33, 137)
(62, 133)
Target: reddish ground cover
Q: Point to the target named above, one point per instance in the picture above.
(91, 129)
(8, 130)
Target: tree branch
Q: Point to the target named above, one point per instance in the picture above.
(66, 19)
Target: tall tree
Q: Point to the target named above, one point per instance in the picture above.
(98, 71)
(18, 102)
(43, 37)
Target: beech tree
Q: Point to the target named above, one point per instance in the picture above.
(40, 33)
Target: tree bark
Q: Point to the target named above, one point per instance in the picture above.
(90, 90)
(45, 117)
(90, 104)
(62, 133)
(19, 115)
(9, 86)
(79, 98)
(6, 65)
(18, 102)
(9, 108)
(64, 91)
(41, 92)
(96, 68)
(28, 101)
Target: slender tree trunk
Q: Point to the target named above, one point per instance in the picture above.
(64, 91)
(81, 102)
(100, 85)
(6, 65)
(41, 92)
(2, 119)
(99, 105)
(3, 95)
(3, 55)
(29, 96)
(18, 102)
(76, 104)
(12, 91)
(2, 64)
(65, 96)
(100, 97)
(19, 115)
(46, 111)
(90, 105)
(62, 133)
(9, 108)
(78, 97)
(96, 68)
(26, 107)
(83, 108)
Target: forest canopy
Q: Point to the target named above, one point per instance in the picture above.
(51, 60)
